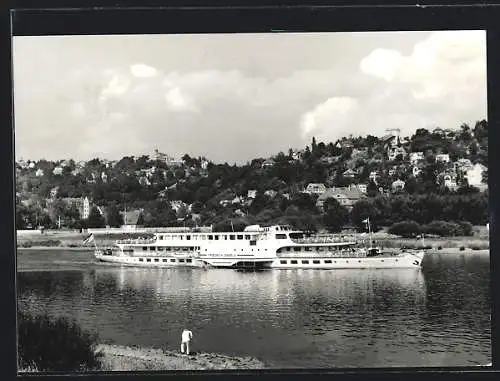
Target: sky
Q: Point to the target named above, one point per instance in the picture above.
(236, 97)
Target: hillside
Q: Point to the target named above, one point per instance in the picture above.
(438, 175)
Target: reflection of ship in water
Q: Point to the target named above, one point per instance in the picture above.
(280, 286)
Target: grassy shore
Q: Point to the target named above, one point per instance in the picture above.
(121, 358)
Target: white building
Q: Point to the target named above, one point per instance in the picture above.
(252, 193)
(415, 157)
(315, 188)
(416, 171)
(443, 157)
(373, 176)
(39, 172)
(86, 208)
(398, 185)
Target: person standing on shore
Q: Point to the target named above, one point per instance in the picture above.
(187, 335)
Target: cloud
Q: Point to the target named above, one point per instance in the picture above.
(332, 114)
(143, 71)
(177, 101)
(444, 62)
(236, 115)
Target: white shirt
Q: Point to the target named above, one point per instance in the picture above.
(187, 335)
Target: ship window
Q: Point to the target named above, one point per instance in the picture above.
(164, 260)
(240, 236)
(293, 262)
(232, 237)
(247, 236)
(328, 261)
(152, 248)
(188, 237)
(181, 260)
(160, 237)
(280, 236)
(167, 248)
(160, 248)
(396, 260)
(287, 248)
(172, 260)
(283, 262)
(296, 249)
(141, 260)
(253, 243)
(210, 237)
(279, 250)
(382, 260)
(157, 260)
(216, 237)
(148, 260)
(316, 262)
(305, 262)
(144, 248)
(189, 260)
(308, 248)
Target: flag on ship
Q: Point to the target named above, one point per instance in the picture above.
(90, 238)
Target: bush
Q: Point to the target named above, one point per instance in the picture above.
(466, 228)
(48, 344)
(406, 229)
(443, 228)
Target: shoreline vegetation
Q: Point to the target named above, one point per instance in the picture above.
(58, 344)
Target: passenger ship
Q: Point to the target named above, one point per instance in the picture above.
(255, 248)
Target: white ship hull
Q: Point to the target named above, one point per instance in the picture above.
(405, 260)
(152, 262)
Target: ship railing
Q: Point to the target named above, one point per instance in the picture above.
(138, 241)
(319, 239)
(347, 254)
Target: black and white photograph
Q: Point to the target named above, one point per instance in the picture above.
(285, 200)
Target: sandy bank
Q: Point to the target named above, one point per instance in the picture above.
(121, 358)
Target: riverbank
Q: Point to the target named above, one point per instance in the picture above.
(122, 358)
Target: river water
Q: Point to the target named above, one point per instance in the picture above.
(435, 316)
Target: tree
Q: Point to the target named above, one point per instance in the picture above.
(114, 218)
(335, 216)
(95, 219)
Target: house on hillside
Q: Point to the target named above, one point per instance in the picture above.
(268, 163)
(53, 192)
(86, 208)
(394, 152)
(350, 173)
(57, 171)
(415, 157)
(104, 177)
(443, 158)
(252, 193)
(416, 170)
(398, 185)
(346, 196)
(373, 176)
(39, 172)
(315, 188)
(462, 165)
(448, 179)
(363, 188)
(438, 131)
(270, 193)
